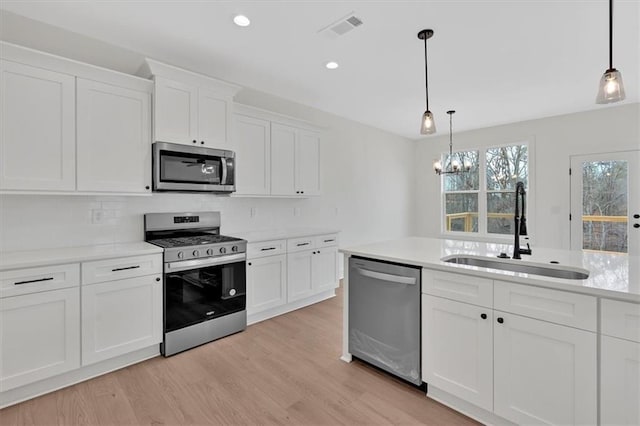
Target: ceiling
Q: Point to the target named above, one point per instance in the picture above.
(494, 62)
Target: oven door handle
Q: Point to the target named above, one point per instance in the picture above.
(185, 265)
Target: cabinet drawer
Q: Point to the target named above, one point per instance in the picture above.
(327, 240)
(463, 288)
(33, 280)
(561, 307)
(120, 268)
(266, 248)
(620, 319)
(299, 244)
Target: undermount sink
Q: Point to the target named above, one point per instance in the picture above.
(565, 272)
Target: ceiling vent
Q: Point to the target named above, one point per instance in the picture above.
(342, 26)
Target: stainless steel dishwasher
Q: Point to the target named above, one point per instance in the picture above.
(384, 316)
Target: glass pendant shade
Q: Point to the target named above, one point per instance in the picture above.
(611, 88)
(427, 125)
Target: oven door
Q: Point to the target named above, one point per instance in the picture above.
(203, 289)
(188, 168)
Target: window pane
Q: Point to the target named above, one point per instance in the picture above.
(464, 181)
(500, 212)
(461, 212)
(604, 206)
(505, 166)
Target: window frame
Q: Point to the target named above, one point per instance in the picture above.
(482, 234)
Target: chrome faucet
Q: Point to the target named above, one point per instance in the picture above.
(520, 222)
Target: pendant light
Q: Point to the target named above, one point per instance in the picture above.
(427, 125)
(611, 88)
(454, 167)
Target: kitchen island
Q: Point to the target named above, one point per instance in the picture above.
(510, 347)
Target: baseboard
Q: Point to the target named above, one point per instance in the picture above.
(466, 408)
(283, 309)
(81, 374)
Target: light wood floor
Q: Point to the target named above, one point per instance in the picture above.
(285, 370)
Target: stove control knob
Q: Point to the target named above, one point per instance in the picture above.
(232, 292)
(223, 250)
(210, 252)
(234, 248)
(196, 253)
(180, 255)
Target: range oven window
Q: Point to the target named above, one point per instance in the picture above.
(201, 294)
(180, 167)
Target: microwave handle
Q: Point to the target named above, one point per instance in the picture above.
(223, 180)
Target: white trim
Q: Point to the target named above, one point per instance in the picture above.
(255, 112)
(273, 312)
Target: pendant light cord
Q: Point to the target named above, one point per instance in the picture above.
(426, 73)
(450, 136)
(610, 34)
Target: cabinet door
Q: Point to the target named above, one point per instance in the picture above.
(39, 336)
(308, 163)
(266, 283)
(176, 112)
(114, 140)
(299, 277)
(213, 120)
(457, 349)
(120, 316)
(324, 269)
(619, 382)
(37, 129)
(283, 143)
(253, 156)
(544, 373)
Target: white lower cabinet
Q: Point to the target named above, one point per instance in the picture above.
(120, 316)
(39, 336)
(619, 382)
(324, 269)
(544, 373)
(459, 359)
(299, 274)
(266, 283)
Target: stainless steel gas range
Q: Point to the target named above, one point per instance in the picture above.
(204, 278)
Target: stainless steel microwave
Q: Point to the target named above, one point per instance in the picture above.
(192, 169)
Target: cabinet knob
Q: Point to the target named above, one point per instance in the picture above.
(636, 225)
(249, 263)
(500, 320)
(146, 187)
(195, 141)
(302, 192)
(636, 216)
(483, 316)
(158, 279)
(201, 142)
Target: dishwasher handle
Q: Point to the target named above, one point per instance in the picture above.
(387, 277)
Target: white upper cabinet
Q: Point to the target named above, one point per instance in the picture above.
(190, 108)
(283, 172)
(308, 163)
(114, 137)
(176, 106)
(253, 155)
(37, 124)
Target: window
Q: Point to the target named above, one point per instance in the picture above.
(481, 202)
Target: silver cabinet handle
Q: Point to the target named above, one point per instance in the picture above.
(125, 268)
(33, 281)
(267, 248)
(387, 277)
(302, 244)
(328, 241)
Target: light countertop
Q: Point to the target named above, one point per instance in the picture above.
(610, 275)
(281, 234)
(57, 256)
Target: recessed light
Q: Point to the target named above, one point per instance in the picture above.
(331, 65)
(241, 21)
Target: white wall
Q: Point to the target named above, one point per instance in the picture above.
(556, 139)
(366, 174)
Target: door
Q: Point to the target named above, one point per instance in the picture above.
(605, 202)
(121, 316)
(457, 351)
(213, 120)
(176, 112)
(39, 336)
(308, 163)
(38, 129)
(324, 269)
(543, 373)
(283, 171)
(114, 140)
(299, 275)
(266, 283)
(620, 382)
(253, 155)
